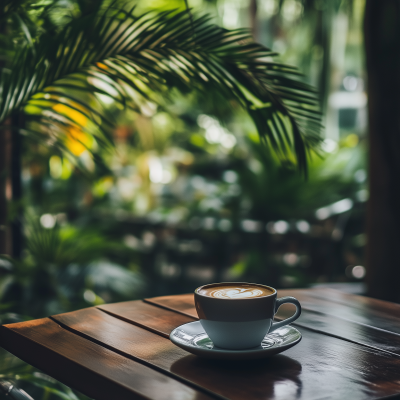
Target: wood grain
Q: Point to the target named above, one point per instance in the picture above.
(92, 369)
(145, 315)
(340, 317)
(350, 350)
(185, 303)
(364, 310)
(347, 330)
(320, 367)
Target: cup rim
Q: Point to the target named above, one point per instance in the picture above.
(233, 283)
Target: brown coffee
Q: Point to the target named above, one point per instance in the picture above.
(235, 291)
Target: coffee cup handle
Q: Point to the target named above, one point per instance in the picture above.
(286, 321)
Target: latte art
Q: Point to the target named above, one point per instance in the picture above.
(236, 293)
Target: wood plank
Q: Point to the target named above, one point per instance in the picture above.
(92, 369)
(145, 315)
(363, 310)
(354, 300)
(319, 367)
(182, 303)
(347, 330)
(316, 320)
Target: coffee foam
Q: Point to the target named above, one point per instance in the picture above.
(235, 291)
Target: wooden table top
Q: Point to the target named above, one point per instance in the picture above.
(350, 350)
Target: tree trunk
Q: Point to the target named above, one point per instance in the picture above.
(5, 188)
(5, 158)
(323, 39)
(253, 19)
(382, 43)
(16, 186)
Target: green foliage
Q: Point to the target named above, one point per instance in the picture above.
(63, 63)
(34, 382)
(65, 269)
(28, 378)
(279, 193)
(114, 53)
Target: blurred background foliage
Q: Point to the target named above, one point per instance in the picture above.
(186, 194)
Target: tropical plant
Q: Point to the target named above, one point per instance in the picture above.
(31, 380)
(114, 53)
(63, 269)
(62, 77)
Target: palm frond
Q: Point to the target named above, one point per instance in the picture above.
(116, 53)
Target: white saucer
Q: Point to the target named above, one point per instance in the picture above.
(192, 338)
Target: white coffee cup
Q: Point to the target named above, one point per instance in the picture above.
(236, 320)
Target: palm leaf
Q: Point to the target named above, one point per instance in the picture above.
(115, 52)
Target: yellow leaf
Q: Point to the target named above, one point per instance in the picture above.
(101, 65)
(77, 141)
(76, 116)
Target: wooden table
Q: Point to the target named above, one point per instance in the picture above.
(350, 350)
